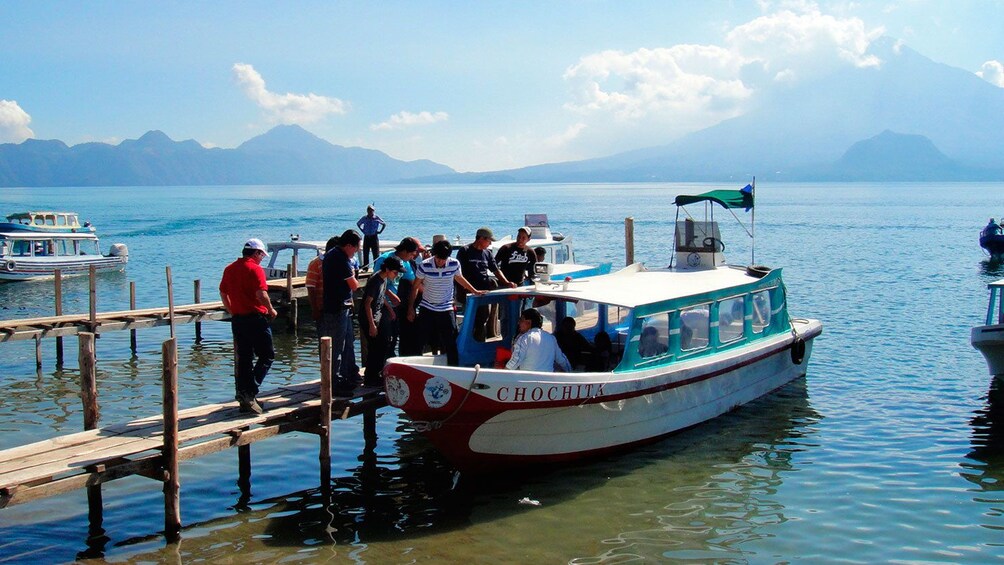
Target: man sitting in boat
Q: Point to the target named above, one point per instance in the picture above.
(992, 228)
(535, 349)
(649, 344)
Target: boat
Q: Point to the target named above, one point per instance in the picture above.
(992, 241)
(282, 254)
(722, 337)
(559, 252)
(34, 245)
(988, 339)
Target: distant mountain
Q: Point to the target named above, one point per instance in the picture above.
(283, 155)
(803, 133)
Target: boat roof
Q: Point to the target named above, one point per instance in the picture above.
(997, 283)
(55, 234)
(298, 244)
(636, 285)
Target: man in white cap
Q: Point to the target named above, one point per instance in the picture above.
(245, 295)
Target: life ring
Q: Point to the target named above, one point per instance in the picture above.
(10, 266)
(797, 350)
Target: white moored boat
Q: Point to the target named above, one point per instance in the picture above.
(989, 338)
(33, 245)
(717, 336)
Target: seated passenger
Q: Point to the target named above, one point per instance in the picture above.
(574, 345)
(535, 349)
(649, 345)
(603, 353)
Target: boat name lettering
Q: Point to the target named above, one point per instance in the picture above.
(551, 393)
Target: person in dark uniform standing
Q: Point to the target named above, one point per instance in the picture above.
(372, 226)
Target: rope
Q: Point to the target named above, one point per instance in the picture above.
(425, 426)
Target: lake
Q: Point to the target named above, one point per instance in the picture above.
(889, 450)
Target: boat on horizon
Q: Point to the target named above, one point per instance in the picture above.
(682, 345)
(35, 244)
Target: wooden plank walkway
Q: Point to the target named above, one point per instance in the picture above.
(93, 457)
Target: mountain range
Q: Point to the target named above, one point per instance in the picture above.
(908, 119)
(285, 154)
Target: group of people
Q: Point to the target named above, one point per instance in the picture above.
(407, 304)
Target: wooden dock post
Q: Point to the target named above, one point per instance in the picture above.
(629, 240)
(198, 299)
(38, 351)
(170, 300)
(291, 315)
(132, 306)
(93, 297)
(87, 359)
(324, 428)
(58, 281)
(172, 482)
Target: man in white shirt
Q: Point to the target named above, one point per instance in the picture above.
(535, 349)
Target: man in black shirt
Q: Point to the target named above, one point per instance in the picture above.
(476, 262)
(516, 259)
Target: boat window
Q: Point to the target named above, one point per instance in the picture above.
(61, 220)
(616, 316)
(3, 248)
(654, 339)
(561, 254)
(89, 248)
(64, 247)
(761, 310)
(730, 319)
(22, 248)
(695, 323)
(586, 315)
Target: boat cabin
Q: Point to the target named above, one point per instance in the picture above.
(634, 320)
(48, 220)
(41, 245)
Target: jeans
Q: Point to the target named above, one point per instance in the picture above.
(252, 337)
(440, 328)
(338, 326)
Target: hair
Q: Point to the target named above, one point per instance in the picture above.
(248, 252)
(649, 330)
(540, 252)
(533, 315)
(331, 244)
(391, 264)
(407, 245)
(350, 237)
(442, 249)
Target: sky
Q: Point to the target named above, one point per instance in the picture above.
(477, 86)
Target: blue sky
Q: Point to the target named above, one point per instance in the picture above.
(482, 85)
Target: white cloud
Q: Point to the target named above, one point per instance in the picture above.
(286, 108)
(664, 92)
(992, 72)
(403, 120)
(563, 138)
(14, 123)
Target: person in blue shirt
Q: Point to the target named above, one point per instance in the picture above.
(372, 226)
(398, 291)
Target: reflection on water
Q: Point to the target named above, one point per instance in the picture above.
(992, 268)
(986, 465)
(700, 494)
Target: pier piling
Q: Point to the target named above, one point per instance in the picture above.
(132, 306)
(89, 398)
(324, 431)
(172, 483)
(58, 282)
(198, 300)
(629, 240)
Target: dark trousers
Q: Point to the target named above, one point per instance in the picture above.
(252, 338)
(338, 326)
(371, 243)
(378, 350)
(440, 329)
(487, 317)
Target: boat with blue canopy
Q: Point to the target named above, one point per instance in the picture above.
(661, 349)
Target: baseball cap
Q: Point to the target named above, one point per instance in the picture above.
(525, 230)
(485, 232)
(256, 244)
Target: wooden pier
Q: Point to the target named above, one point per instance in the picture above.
(153, 446)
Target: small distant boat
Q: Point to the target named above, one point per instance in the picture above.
(680, 346)
(33, 245)
(988, 339)
(992, 241)
(559, 253)
(283, 253)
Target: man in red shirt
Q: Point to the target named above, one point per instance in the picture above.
(245, 296)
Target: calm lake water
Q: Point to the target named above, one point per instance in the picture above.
(889, 450)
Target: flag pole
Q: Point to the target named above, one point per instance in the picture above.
(753, 224)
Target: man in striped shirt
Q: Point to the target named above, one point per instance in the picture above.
(437, 319)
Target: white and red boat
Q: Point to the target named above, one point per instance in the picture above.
(722, 337)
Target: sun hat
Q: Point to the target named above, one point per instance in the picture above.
(256, 244)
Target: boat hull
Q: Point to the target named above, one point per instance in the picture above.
(993, 244)
(489, 419)
(989, 340)
(35, 268)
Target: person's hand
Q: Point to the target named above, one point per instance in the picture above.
(373, 330)
(272, 313)
(510, 284)
(411, 315)
(477, 292)
(392, 314)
